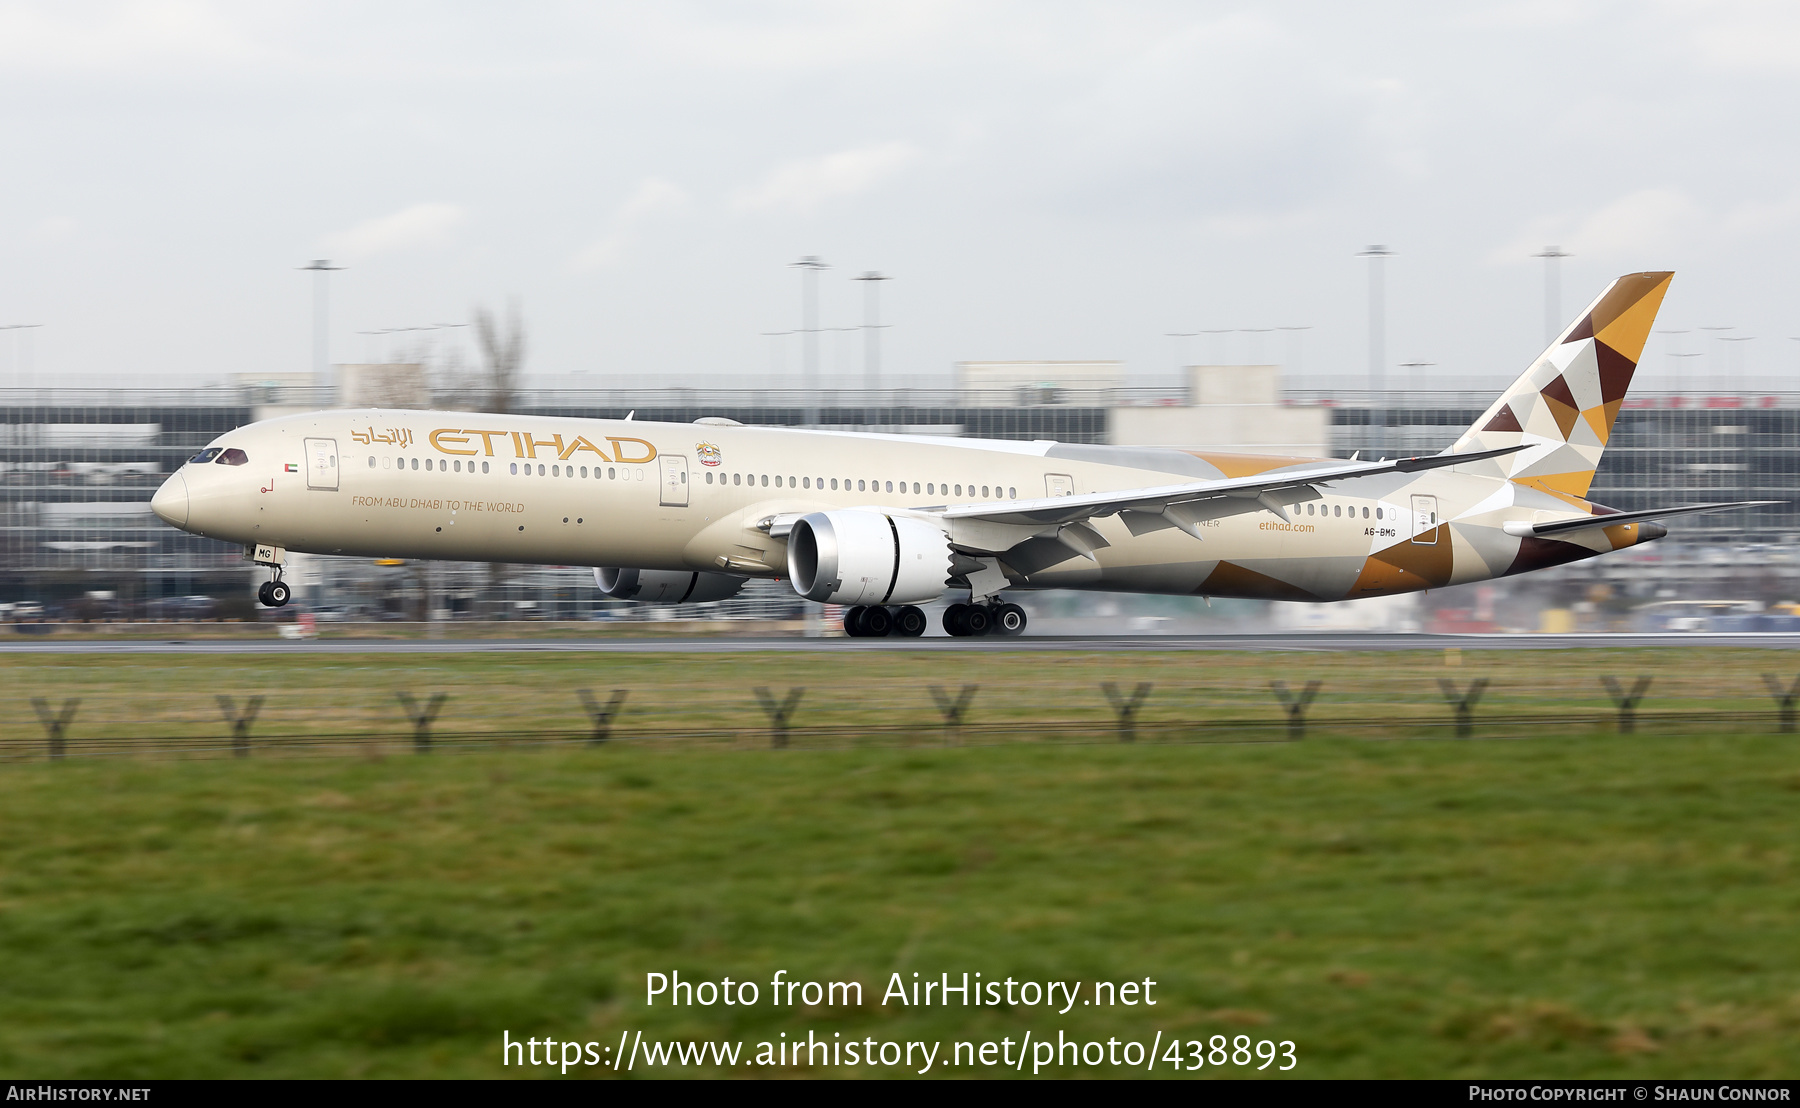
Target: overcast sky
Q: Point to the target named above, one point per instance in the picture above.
(1042, 180)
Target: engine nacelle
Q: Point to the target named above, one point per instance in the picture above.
(664, 586)
(867, 557)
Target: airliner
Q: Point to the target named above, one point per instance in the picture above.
(674, 513)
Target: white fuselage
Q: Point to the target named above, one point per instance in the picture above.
(565, 491)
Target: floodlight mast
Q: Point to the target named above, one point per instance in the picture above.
(1377, 335)
(809, 267)
(18, 379)
(1553, 319)
(872, 327)
(319, 268)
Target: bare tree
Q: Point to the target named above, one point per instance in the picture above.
(502, 353)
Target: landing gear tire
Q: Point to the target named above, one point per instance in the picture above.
(967, 621)
(876, 623)
(953, 621)
(278, 594)
(853, 621)
(262, 594)
(909, 622)
(1009, 620)
(977, 620)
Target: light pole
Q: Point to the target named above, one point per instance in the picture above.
(1672, 353)
(872, 327)
(809, 268)
(1552, 291)
(1253, 345)
(1719, 370)
(1296, 352)
(1412, 387)
(1734, 361)
(1377, 333)
(1181, 348)
(319, 268)
(17, 379)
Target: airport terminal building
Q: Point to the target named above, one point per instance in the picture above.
(78, 468)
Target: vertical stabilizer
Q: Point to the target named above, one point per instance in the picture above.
(1564, 406)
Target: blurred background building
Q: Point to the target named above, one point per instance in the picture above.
(79, 465)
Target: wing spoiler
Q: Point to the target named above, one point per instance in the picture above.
(1049, 510)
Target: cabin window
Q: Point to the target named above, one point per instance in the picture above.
(232, 456)
(860, 487)
(205, 456)
(556, 471)
(806, 482)
(984, 491)
(1365, 513)
(765, 480)
(515, 467)
(1337, 509)
(834, 484)
(484, 466)
(890, 486)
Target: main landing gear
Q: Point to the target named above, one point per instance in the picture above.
(970, 620)
(274, 593)
(876, 622)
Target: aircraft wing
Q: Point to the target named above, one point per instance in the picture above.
(1185, 505)
(1583, 523)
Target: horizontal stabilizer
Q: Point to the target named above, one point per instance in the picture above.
(1519, 529)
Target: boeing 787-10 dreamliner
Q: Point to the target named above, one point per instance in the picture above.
(672, 513)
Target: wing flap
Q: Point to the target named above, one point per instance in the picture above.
(1520, 529)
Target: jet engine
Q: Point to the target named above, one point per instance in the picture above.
(867, 557)
(663, 586)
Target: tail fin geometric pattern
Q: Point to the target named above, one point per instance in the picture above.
(1564, 406)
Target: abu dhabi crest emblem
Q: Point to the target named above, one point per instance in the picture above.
(708, 453)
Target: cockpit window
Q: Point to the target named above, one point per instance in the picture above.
(232, 456)
(205, 456)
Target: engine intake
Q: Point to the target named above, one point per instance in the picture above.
(664, 586)
(867, 557)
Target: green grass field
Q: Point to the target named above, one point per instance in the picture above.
(1573, 903)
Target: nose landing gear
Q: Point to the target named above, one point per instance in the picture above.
(274, 592)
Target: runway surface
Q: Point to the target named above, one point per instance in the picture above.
(1067, 644)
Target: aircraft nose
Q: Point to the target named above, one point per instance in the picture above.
(171, 501)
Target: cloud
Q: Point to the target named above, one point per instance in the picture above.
(1636, 225)
(419, 225)
(51, 38)
(652, 195)
(804, 184)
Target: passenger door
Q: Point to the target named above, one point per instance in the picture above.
(1425, 520)
(322, 464)
(1059, 484)
(674, 480)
